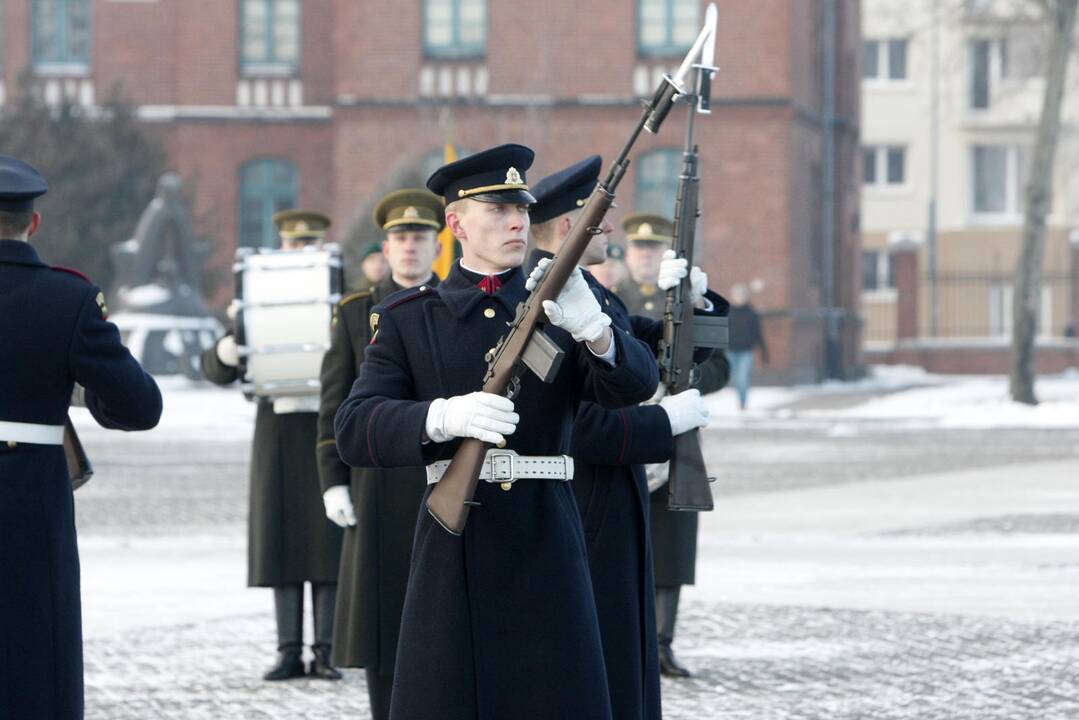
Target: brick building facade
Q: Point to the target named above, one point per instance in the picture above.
(326, 103)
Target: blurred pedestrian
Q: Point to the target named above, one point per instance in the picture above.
(746, 337)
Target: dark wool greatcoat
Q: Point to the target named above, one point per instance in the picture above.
(52, 335)
(674, 533)
(500, 621)
(609, 448)
(289, 538)
(376, 552)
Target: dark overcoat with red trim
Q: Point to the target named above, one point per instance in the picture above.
(609, 449)
(499, 622)
(53, 333)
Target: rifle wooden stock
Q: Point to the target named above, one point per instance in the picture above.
(451, 498)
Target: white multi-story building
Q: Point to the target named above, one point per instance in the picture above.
(952, 93)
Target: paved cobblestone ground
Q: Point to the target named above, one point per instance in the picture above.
(752, 660)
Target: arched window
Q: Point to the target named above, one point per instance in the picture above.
(435, 159)
(267, 185)
(657, 181)
(61, 33)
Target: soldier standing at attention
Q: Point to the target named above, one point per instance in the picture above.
(290, 541)
(674, 533)
(609, 448)
(499, 622)
(53, 334)
(377, 507)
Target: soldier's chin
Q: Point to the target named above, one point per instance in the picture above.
(513, 255)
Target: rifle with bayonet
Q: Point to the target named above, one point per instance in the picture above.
(526, 346)
(683, 333)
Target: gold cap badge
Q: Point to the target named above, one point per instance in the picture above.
(513, 177)
(410, 212)
(645, 229)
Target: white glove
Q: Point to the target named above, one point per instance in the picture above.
(338, 502)
(227, 352)
(484, 416)
(671, 271)
(576, 311)
(78, 396)
(686, 411)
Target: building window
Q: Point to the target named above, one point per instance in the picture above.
(1016, 57)
(999, 175)
(455, 28)
(884, 165)
(266, 186)
(877, 271)
(885, 59)
(270, 37)
(667, 27)
(657, 181)
(61, 33)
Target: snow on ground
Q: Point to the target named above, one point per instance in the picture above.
(911, 397)
(192, 411)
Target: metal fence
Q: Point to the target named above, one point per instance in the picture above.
(980, 306)
(970, 306)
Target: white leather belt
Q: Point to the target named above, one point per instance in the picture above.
(506, 466)
(32, 433)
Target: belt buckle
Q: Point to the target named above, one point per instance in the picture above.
(508, 480)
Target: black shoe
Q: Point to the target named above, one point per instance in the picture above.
(320, 667)
(669, 665)
(289, 665)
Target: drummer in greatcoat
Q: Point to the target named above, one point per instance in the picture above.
(290, 541)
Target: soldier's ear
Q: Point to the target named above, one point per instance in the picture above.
(453, 221)
(35, 223)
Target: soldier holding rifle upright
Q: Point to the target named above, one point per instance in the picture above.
(499, 621)
(609, 448)
(377, 507)
(674, 534)
(53, 334)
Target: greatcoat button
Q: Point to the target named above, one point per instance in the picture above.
(489, 313)
(501, 444)
(11, 443)
(507, 486)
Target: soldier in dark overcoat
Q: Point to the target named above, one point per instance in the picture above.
(609, 448)
(290, 541)
(499, 622)
(53, 334)
(377, 507)
(674, 533)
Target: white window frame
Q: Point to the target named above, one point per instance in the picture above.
(1013, 189)
(996, 79)
(883, 76)
(883, 292)
(880, 162)
(1001, 296)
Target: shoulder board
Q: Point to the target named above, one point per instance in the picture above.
(407, 295)
(71, 271)
(355, 296)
